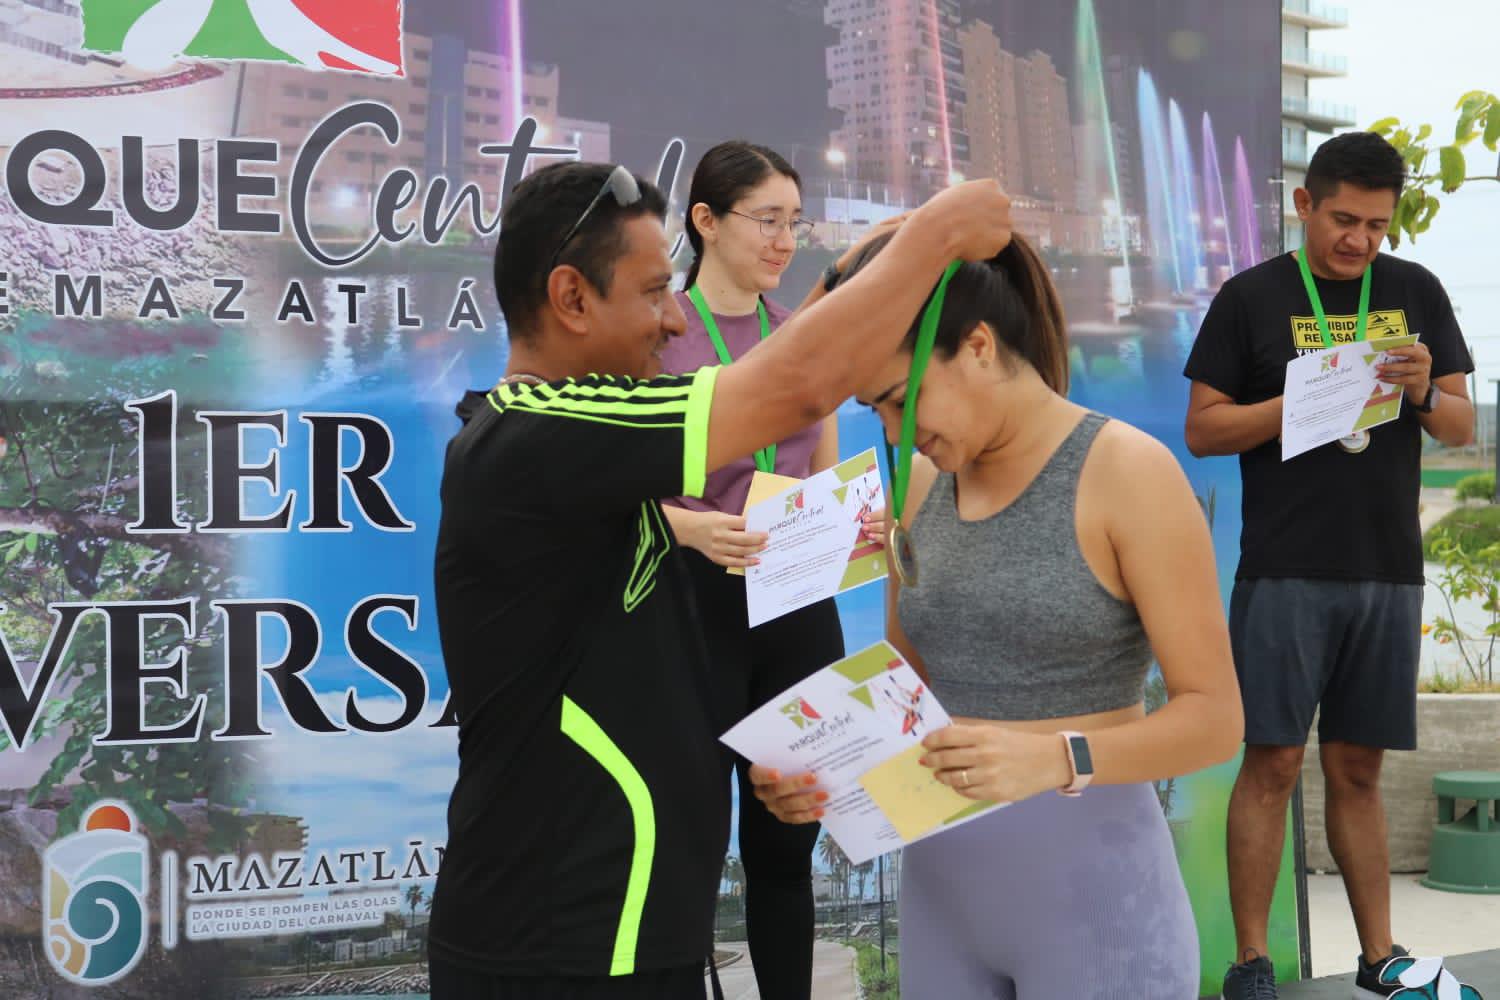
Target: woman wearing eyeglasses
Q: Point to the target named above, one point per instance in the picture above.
(744, 221)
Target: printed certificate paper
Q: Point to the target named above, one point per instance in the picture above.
(816, 549)
(858, 726)
(1332, 393)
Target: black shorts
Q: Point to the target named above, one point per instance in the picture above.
(1348, 648)
(453, 982)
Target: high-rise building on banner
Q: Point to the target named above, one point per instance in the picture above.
(1119, 87)
(897, 74)
(453, 100)
(1046, 131)
(1303, 116)
(992, 117)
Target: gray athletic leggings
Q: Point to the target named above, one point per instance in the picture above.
(1050, 899)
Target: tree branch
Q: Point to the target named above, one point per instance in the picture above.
(52, 461)
(120, 484)
(20, 441)
(210, 548)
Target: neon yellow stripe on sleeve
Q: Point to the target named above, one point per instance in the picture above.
(695, 432)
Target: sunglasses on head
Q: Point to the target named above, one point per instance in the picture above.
(621, 184)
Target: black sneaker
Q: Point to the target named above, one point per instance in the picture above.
(1406, 978)
(1252, 980)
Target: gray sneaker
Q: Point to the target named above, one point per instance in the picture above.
(1254, 979)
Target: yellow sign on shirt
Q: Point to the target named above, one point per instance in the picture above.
(1382, 324)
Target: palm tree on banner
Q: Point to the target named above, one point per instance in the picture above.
(837, 862)
(734, 874)
(414, 897)
(862, 872)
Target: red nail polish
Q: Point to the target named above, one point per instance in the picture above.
(821, 797)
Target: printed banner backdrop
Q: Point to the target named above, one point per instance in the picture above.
(246, 278)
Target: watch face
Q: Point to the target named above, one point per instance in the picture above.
(1082, 762)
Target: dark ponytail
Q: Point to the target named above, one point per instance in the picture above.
(1045, 340)
(723, 176)
(1013, 293)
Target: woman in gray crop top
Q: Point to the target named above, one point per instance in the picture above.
(1058, 551)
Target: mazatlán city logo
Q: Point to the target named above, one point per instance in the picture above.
(94, 886)
(794, 502)
(800, 712)
(361, 37)
(1331, 363)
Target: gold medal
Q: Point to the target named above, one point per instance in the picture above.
(902, 554)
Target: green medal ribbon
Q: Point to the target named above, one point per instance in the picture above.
(765, 459)
(1317, 301)
(921, 354)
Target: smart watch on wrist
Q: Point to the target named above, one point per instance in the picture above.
(1429, 401)
(1080, 762)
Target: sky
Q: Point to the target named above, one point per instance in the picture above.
(1415, 64)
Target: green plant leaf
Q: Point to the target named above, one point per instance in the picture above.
(31, 541)
(1400, 223)
(1469, 109)
(1492, 128)
(1429, 212)
(1453, 167)
(1385, 126)
(1415, 157)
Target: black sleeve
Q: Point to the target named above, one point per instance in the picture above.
(1450, 354)
(1220, 357)
(604, 444)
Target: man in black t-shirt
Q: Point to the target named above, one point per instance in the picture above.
(1327, 604)
(587, 827)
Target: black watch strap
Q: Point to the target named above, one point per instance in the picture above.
(1429, 401)
(831, 276)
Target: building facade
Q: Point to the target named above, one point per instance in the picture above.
(897, 74)
(1305, 120)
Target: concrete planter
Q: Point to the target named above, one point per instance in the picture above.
(1455, 732)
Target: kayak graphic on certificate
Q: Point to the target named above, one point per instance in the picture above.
(815, 547)
(1333, 393)
(857, 725)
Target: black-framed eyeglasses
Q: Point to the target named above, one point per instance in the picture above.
(620, 183)
(772, 227)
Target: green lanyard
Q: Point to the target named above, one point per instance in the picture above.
(921, 354)
(1317, 301)
(765, 459)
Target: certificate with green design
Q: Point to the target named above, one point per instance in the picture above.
(1334, 394)
(1384, 403)
(857, 727)
(815, 548)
